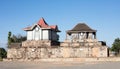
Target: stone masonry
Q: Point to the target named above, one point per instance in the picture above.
(80, 42)
(56, 52)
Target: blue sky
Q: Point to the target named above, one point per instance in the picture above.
(102, 15)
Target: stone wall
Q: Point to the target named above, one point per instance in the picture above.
(100, 51)
(33, 43)
(57, 52)
(86, 42)
(40, 43)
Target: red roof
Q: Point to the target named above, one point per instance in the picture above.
(28, 28)
(53, 26)
(43, 24)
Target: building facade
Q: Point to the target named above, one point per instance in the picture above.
(41, 34)
(84, 38)
(42, 42)
(42, 31)
(80, 33)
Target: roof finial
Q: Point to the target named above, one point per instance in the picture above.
(42, 18)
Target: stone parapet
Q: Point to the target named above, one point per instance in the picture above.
(78, 44)
(40, 43)
(84, 40)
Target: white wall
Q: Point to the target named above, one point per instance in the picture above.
(50, 35)
(34, 34)
(45, 35)
(40, 34)
(29, 35)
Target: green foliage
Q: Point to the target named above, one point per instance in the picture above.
(3, 53)
(116, 45)
(15, 38)
(9, 38)
(18, 38)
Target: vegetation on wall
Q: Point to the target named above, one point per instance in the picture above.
(15, 38)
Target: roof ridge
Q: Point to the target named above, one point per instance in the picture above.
(42, 23)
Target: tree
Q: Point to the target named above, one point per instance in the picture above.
(3, 53)
(9, 38)
(116, 45)
(18, 38)
(15, 39)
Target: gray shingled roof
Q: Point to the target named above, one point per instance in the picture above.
(81, 27)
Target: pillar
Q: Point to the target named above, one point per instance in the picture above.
(87, 35)
(95, 35)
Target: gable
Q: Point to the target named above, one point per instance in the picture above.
(36, 28)
(43, 25)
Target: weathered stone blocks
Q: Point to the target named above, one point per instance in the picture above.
(57, 52)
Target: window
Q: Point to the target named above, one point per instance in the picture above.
(37, 29)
